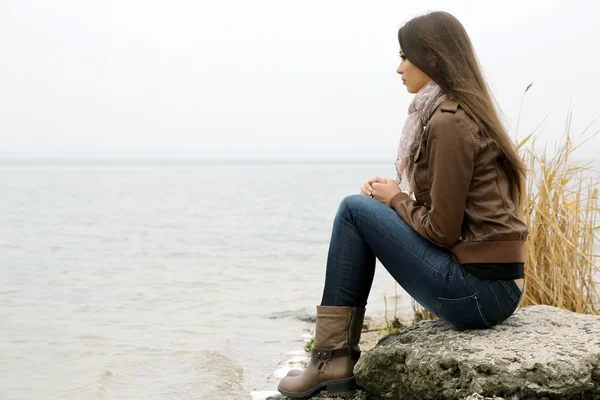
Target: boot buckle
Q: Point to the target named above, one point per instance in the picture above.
(328, 354)
(324, 355)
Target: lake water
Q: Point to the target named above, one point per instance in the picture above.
(165, 281)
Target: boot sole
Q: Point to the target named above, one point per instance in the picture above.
(338, 386)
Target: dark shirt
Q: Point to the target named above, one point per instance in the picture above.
(496, 271)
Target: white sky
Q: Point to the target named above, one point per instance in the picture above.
(257, 78)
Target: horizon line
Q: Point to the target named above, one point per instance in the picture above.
(192, 160)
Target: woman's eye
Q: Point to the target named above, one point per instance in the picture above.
(403, 57)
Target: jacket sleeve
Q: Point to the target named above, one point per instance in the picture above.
(450, 156)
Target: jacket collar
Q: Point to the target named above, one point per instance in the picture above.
(449, 104)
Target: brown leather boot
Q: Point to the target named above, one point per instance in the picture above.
(332, 361)
(355, 338)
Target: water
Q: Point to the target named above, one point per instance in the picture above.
(164, 281)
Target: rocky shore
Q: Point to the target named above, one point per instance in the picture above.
(539, 353)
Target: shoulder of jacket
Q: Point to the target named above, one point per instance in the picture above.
(449, 105)
(450, 114)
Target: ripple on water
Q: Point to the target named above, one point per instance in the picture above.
(203, 375)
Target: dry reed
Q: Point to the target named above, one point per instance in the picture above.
(561, 211)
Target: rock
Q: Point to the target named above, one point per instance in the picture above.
(312, 318)
(540, 352)
(357, 395)
(477, 396)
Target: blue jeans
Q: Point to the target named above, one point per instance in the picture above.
(365, 228)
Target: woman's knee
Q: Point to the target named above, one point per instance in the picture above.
(355, 202)
(356, 205)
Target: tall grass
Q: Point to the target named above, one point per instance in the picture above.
(561, 209)
(561, 212)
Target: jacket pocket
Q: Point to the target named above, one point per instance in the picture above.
(463, 313)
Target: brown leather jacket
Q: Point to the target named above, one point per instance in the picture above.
(462, 194)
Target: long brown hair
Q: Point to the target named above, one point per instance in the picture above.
(439, 38)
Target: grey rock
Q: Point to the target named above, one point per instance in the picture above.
(357, 395)
(477, 396)
(312, 318)
(540, 352)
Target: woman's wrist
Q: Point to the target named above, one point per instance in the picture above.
(397, 198)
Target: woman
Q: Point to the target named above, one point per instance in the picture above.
(455, 244)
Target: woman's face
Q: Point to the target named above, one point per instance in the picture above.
(412, 77)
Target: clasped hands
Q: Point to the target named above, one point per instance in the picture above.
(381, 189)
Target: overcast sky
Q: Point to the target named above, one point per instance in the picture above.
(268, 78)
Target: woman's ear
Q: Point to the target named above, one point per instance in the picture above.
(433, 59)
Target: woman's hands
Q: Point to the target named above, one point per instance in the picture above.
(381, 189)
(366, 189)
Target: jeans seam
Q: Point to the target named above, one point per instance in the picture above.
(475, 298)
(401, 245)
(485, 321)
(508, 291)
(495, 298)
(338, 285)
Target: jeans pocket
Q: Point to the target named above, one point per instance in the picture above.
(463, 313)
(513, 290)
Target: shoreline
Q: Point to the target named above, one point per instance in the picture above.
(299, 358)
